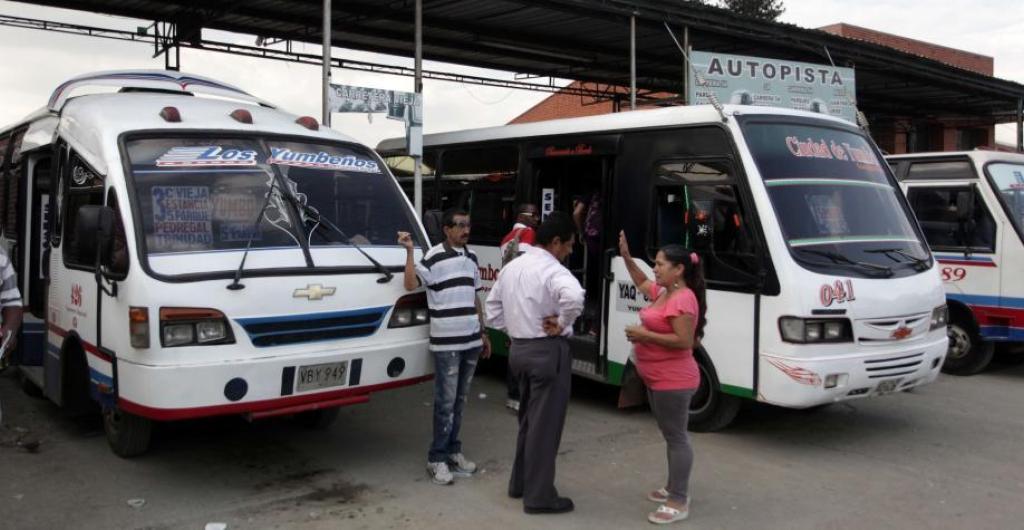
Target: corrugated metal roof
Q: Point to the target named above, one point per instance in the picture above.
(589, 40)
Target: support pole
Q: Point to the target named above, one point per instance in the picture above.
(327, 65)
(686, 65)
(1020, 125)
(418, 88)
(632, 62)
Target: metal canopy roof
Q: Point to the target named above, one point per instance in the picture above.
(589, 41)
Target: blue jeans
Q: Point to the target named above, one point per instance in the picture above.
(453, 371)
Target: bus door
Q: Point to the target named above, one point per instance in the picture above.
(699, 204)
(35, 215)
(574, 176)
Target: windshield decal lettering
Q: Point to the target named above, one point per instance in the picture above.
(321, 160)
(181, 217)
(201, 156)
(833, 150)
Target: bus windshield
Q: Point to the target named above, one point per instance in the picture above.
(203, 194)
(838, 210)
(1009, 183)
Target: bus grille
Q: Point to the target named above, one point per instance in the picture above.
(295, 329)
(898, 365)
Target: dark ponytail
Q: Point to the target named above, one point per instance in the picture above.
(693, 275)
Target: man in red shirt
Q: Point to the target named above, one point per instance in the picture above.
(521, 237)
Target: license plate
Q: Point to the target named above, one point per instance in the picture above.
(321, 376)
(887, 386)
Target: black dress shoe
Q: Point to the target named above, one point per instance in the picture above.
(559, 505)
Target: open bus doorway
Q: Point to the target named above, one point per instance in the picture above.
(578, 185)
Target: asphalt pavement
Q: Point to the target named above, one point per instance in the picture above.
(949, 455)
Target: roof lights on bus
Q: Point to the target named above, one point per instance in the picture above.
(170, 114)
(309, 123)
(138, 326)
(242, 116)
(190, 326)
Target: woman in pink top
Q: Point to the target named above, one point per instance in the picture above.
(663, 344)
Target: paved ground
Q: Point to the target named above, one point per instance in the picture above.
(950, 455)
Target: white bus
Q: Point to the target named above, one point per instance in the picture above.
(971, 209)
(185, 250)
(821, 288)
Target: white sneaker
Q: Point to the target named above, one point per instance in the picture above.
(512, 404)
(460, 466)
(439, 473)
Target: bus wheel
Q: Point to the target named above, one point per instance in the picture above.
(127, 434)
(318, 419)
(967, 353)
(711, 409)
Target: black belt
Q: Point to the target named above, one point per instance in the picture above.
(536, 339)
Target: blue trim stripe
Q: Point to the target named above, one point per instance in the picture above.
(99, 378)
(961, 257)
(991, 301)
(314, 316)
(1002, 333)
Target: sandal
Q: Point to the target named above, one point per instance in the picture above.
(666, 514)
(658, 495)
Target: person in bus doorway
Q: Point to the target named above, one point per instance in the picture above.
(457, 336)
(536, 300)
(670, 327)
(521, 237)
(10, 309)
(586, 213)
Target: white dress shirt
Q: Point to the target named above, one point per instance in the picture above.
(530, 288)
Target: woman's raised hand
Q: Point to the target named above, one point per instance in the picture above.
(623, 245)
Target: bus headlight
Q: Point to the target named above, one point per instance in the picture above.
(410, 310)
(805, 331)
(186, 326)
(940, 317)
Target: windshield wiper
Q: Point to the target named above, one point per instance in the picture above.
(839, 258)
(235, 284)
(920, 264)
(315, 215)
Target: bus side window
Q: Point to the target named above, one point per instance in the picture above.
(949, 219)
(482, 182)
(698, 205)
(82, 186)
(120, 258)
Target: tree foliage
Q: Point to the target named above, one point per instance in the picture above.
(762, 9)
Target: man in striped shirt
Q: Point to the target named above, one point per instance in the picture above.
(10, 302)
(458, 338)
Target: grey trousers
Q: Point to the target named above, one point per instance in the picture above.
(671, 409)
(544, 370)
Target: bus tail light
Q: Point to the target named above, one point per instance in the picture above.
(242, 116)
(810, 331)
(189, 326)
(170, 114)
(410, 310)
(308, 122)
(940, 317)
(138, 326)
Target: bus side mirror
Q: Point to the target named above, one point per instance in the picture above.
(94, 234)
(432, 221)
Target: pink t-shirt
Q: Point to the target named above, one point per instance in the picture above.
(665, 368)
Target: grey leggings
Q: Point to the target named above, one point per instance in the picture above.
(672, 409)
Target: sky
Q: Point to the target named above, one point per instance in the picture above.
(33, 62)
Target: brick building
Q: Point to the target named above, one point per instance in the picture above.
(894, 134)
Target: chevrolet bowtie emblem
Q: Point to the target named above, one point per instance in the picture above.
(901, 333)
(313, 292)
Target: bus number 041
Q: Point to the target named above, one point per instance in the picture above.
(838, 292)
(953, 274)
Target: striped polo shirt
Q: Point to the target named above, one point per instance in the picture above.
(452, 278)
(10, 296)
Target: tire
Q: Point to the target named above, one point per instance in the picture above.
(319, 419)
(967, 354)
(711, 409)
(128, 435)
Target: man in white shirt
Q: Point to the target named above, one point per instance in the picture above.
(536, 300)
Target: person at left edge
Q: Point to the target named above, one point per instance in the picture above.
(458, 338)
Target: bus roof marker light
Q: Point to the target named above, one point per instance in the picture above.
(170, 114)
(242, 116)
(308, 122)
